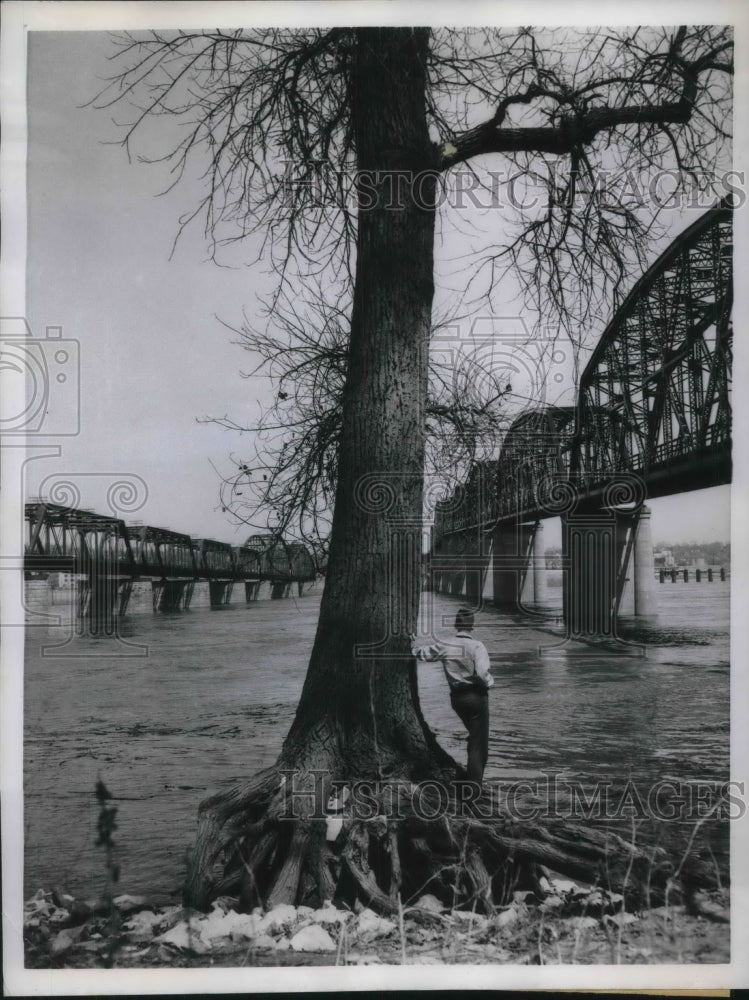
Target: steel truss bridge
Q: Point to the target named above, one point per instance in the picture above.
(652, 418)
(110, 555)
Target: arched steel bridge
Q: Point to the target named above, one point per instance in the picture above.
(653, 412)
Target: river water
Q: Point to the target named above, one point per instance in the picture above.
(181, 705)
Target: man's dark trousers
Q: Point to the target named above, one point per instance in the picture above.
(472, 705)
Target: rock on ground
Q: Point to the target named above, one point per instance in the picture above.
(370, 925)
(313, 937)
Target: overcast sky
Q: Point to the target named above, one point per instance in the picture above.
(154, 356)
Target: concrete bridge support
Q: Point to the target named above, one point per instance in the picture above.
(442, 571)
(589, 551)
(487, 592)
(506, 565)
(220, 592)
(434, 570)
(171, 595)
(638, 592)
(97, 604)
(460, 564)
(251, 590)
(280, 589)
(125, 591)
(608, 556)
(456, 575)
(533, 590)
(519, 565)
(476, 567)
(646, 600)
(440, 566)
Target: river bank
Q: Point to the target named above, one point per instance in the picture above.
(571, 924)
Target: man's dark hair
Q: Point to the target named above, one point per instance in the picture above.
(464, 619)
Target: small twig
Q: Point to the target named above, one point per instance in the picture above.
(402, 930)
(540, 940)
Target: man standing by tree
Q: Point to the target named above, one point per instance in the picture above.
(591, 113)
(466, 666)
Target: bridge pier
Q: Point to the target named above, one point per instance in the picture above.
(646, 599)
(435, 566)
(454, 577)
(125, 592)
(589, 550)
(639, 594)
(507, 546)
(475, 569)
(220, 592)
(97, 604)
(439, 566)
(519, 565)
(608, 555)
(171, 595)
(251, 590)
(279, 589)
(533, 589)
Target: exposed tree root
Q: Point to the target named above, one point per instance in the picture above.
(251, 845)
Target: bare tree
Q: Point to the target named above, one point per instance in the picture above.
(378, 120)
(285, 482)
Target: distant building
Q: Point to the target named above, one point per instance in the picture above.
(663, 559)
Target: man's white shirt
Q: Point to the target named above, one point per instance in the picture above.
(461, 659)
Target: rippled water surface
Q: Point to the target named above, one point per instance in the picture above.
(213, 698)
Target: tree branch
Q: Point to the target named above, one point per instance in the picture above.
(581, 127)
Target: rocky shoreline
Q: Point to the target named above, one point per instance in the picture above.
(571, 924)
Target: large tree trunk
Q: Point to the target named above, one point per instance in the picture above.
(358, 718)
(359, 692)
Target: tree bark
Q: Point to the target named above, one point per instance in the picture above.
(359, 694)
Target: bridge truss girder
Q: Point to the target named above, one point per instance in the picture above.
(656, 392)
(82, 542)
